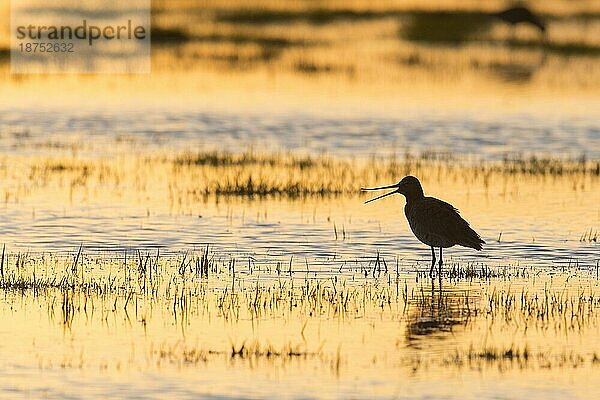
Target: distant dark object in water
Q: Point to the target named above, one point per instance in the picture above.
(521, 15)
(434, 222)
(4, 55)
(160, 35)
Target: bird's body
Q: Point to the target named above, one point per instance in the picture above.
(438, 224)
(434, 222)
(520, 15)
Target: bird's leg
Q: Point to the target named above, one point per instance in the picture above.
(432, 261)
(441, 261)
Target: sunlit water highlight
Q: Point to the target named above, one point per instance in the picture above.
(345, 308)
(94, 132)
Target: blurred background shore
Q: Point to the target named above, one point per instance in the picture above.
(376, 58)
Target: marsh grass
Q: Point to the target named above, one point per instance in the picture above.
(589, 236)
(202, 285)
(562, 49)
(360, 43)
(196, 175)
(472, 271)
(219, 159)
(195, 285)
(263, 41)
(290, 175)
(169, 36)
(319, 16)
(444, 27)
(180, 36)
(182, 354)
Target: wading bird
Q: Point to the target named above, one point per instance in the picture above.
(521, 15)
(433, 221)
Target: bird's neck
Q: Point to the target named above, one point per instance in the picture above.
(413, 198)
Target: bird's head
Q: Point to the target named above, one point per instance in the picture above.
(409, 186)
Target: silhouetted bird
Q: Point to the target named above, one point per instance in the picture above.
(518, 15)
(433, 221)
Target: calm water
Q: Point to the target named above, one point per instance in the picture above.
(95, 132)
(536, 224)
(417, 351)
(381, 346)
(350, 85)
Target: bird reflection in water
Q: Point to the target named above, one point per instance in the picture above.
(435, 313)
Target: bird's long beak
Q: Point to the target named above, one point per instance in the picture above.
(394, 186)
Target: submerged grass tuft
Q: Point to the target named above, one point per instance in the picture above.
(195, 288)
(189, 177)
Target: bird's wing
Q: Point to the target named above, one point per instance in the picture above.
(445, 221)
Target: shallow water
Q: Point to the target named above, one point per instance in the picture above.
(94, 132)
(329, 297)
(531, 221)
(138, 344)
(115, 337)
(290, 229)
(397, 335)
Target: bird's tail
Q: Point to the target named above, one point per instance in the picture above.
(472, 240)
